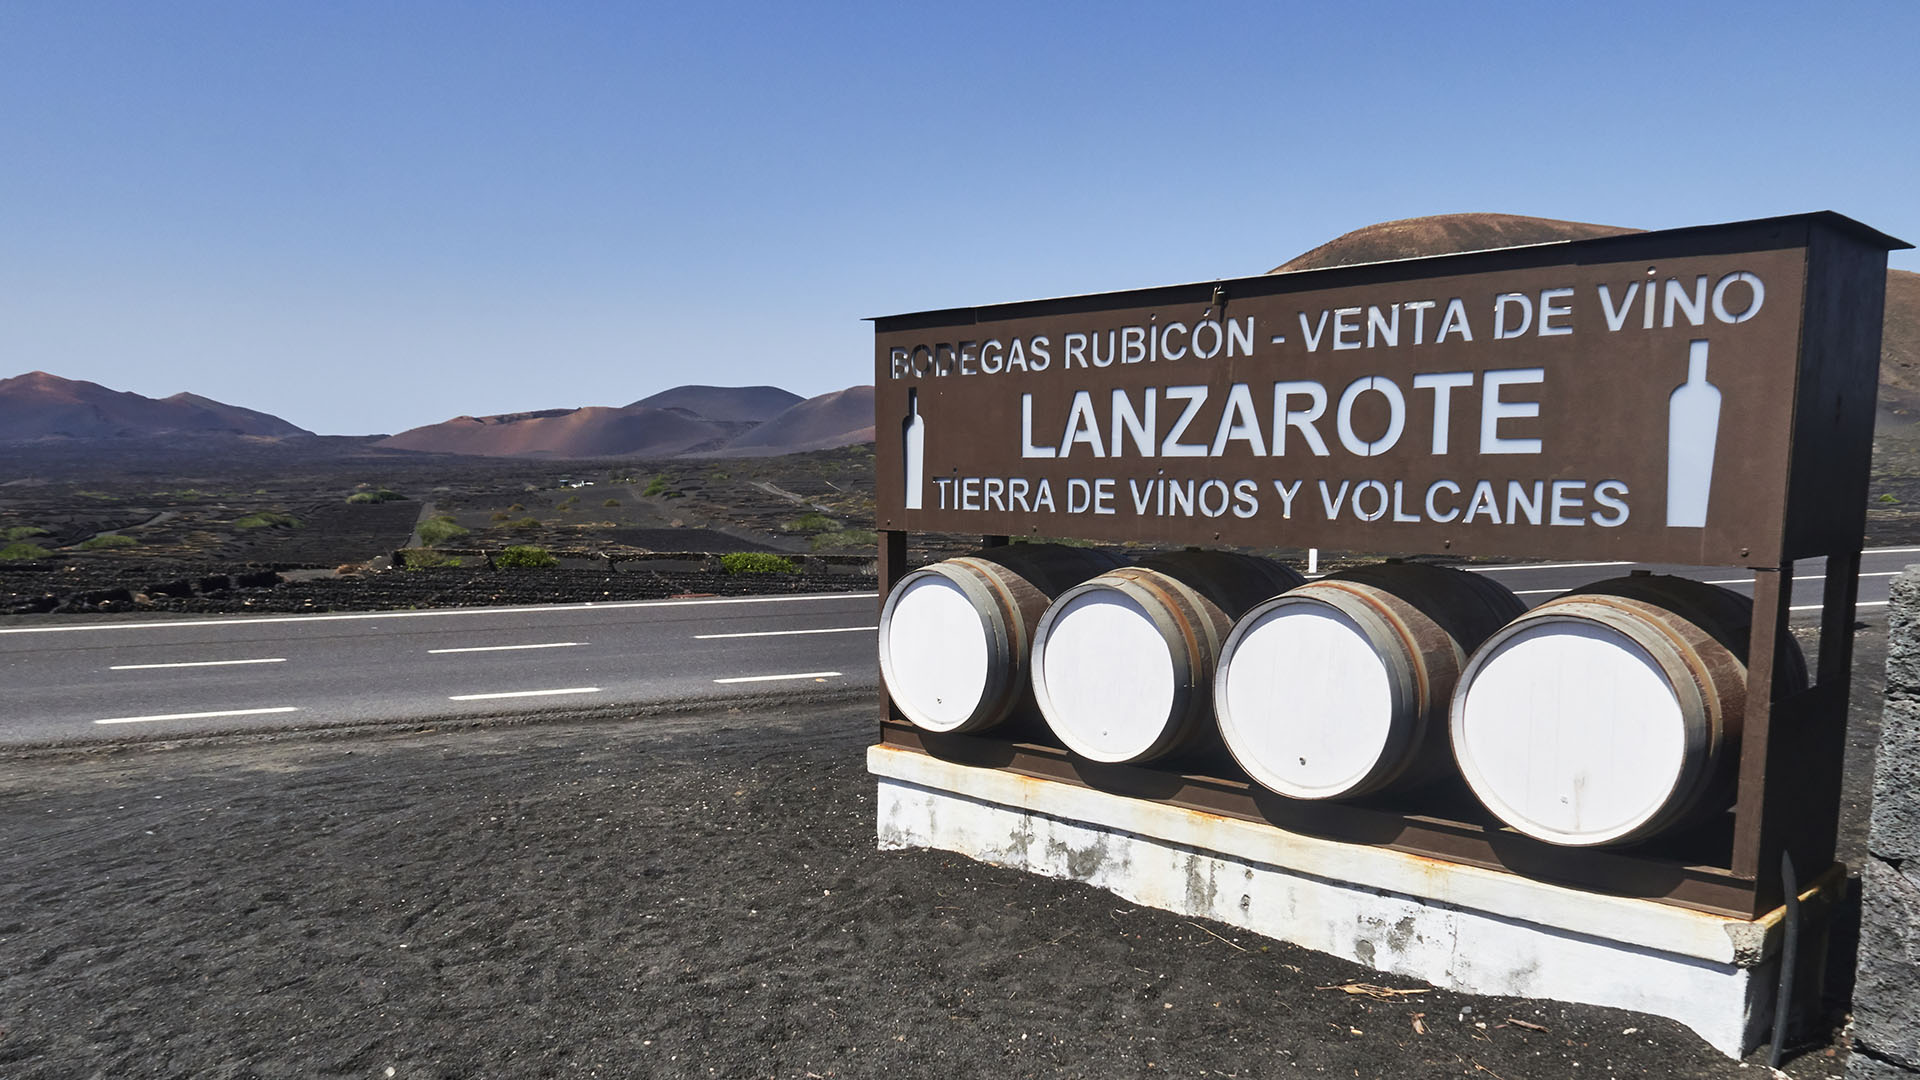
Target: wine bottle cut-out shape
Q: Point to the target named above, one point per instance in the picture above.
(913, 438)
(1693, 424)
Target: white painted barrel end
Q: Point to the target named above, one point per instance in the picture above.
(1571, 732)
(1611, 714)
(1304, 699)
(1103, 675)
(935, 652)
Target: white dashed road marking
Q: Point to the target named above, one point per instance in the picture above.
(777, 678)
(198, 663)
(785, 633)
(509, 648)
(525, 693)
(195, 715)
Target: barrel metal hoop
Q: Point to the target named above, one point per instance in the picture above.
(1181, 615)
(1371, 603)
(1624, 622)
(1395, 756)
(1008, 603)
(995, 699)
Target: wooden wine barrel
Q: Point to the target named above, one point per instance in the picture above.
(955, 636)
(1123, 664)
(1339, 688)
(1613, 713)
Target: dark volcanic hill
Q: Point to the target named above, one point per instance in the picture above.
(641, 430)
(741, 404)
(1900, 344)
(1442, 234)
(636, 431)
(42, 406)
(841, 418)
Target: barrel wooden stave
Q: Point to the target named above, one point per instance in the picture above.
(1658, 744)
(1339, 688)
(1134, 652)
(1006, 589)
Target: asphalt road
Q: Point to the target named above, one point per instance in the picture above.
(101, 680)
(72, 681)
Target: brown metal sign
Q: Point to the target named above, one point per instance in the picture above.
(1628, 398)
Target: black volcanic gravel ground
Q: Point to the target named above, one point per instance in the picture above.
(32, 589)
(674, 895)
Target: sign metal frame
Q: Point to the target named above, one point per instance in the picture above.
(1794, 384)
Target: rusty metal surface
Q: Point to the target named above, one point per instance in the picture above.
(1794, 435)
(1689, 873)
(1604, 379)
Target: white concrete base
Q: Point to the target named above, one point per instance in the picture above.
(1459, 927)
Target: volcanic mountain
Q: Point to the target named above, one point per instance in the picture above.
(1900, 345)
(738, 421)
(1442, 234)
(1448, 233)
(742, 404)
(42, 406)
(841, 418)
(594, 431)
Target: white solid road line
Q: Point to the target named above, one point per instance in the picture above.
(262, 620)
(777, 678)
(195, 715)
(1543, 566)
(784, 633)
(198, 663)
(508, 648)
(525, 693)
(1857, 606)
(1802, 577)
(1723, 581)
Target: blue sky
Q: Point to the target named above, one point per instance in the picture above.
(369, 216)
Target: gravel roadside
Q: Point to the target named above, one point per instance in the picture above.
(675, 895)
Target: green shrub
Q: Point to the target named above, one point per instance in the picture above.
(611, 502)
(812, 522)
(840, 539)
(267, 520)
(524, 557)
(1888, 498)
(501, 515)
(757, 562)
(656, 486)
(424, 559)
(523, 523)
(435, 531)
(516, 508)
(20, 550)
(21, 532)
(109, 542)
(378, 495)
